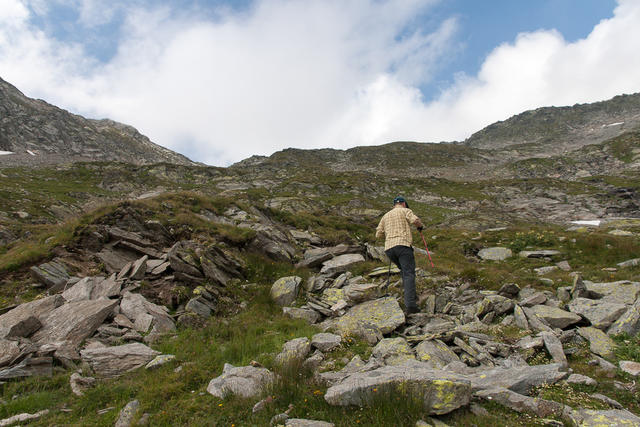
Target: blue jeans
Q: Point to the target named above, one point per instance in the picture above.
(402, 256)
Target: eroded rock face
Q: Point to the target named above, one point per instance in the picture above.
(628, 323)
(383, 313)
(114, 361)
(441, 392)
(244, 381)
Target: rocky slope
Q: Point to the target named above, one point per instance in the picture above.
(40, 133)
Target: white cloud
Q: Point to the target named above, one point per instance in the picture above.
(320, 73)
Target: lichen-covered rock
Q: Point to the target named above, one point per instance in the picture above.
(326, 342)
(311, 316)
(160, 360)
(393, 351)
(599, 342)
(383, 313)
(294, 351)
(595, 418)
(495, 254)
(53, 274)
(621, 292)
(521, 379)
(554, 347)
(601, 314)
(125, 418)
(360, 292)
(628, 323)
(284, 291)
(243, 381)
(441, 392)
(581, 379)
(332, 296)
(435, 353)
(555, 317)
(114, 361)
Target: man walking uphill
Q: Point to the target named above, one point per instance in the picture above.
(395, 226)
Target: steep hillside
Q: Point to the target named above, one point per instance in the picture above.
(40, 133)
(554, 130)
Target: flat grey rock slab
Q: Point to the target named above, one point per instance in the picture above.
(520, 379)
(340, 264)
(629, 263)
(74, 321)
(284, 291)
(8, 351)
(308, 314)
(538, 254)
(621, 292)
(601, 314)
(325, 341)
(383, 313)
(440, 391)
(53, 274)
(595, 418)
(393, 351)
(114, 361)
(554, 347)
(24, 417)
(495, 254)
(299, 422)
(581, 379)
(555, 317)
(361, 292)
(244, 381)
(160, 360)
(520, 403)
(13, 322)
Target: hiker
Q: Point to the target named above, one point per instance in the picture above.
(395, 226)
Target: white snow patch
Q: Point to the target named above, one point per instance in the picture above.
(613, 124)
(4, 153)
(595, 222)
(31, 152)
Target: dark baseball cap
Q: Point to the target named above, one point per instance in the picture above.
(400, 199)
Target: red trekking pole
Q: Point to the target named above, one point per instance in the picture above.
(425, 246)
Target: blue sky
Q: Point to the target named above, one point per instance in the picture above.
(222, 80)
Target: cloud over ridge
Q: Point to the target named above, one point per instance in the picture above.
(320, 73)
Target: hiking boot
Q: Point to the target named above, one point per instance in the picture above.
(412, 310)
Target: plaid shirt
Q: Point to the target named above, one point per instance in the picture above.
(394, 225)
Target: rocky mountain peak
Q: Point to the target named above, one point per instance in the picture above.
(39, 133)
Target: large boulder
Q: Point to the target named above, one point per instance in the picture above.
(628, 323)
(383, 313)
(244, 381)
(308, 314)
(599, 342)
(284, 291)
(325, 341)
(111, 362)
(441, 392)
(601, 314)
(340, 264)
(19, 322)
(74, 321)
(360, 292)
(555, 317)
